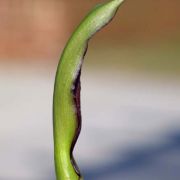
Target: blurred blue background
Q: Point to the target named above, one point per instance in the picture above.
(130, 90)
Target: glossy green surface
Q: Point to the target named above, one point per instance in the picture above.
(64, 109)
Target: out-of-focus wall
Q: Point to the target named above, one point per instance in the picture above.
(39, 28)
(32, 29)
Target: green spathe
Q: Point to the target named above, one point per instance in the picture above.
(65, 119)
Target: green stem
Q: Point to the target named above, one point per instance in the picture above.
(66, 102)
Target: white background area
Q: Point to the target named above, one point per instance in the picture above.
(130, 127)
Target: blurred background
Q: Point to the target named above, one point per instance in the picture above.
(130, 90)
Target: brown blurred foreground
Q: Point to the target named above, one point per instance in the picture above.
(39, 29)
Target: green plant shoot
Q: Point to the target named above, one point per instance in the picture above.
(66, 100)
